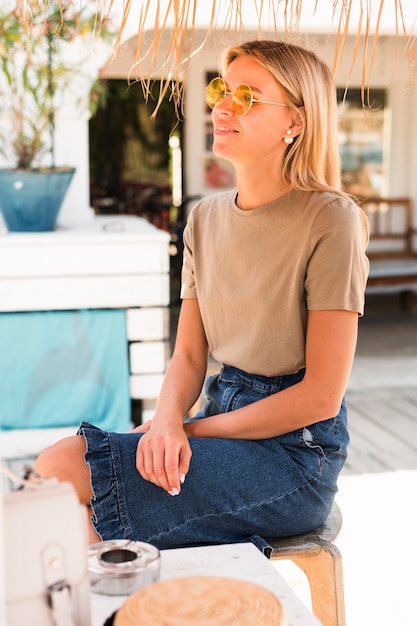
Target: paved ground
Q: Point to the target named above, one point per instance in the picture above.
(386, 354)
(378, 538)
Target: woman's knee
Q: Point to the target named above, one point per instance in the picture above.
(58, 458)
(64, 460)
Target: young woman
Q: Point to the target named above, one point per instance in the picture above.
(273, 282)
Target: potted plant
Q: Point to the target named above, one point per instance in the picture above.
(36, 70)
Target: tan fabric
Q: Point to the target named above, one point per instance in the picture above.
(256, 273)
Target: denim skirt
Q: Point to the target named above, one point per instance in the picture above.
(236, 490)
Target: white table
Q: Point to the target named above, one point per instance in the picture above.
(242, 561)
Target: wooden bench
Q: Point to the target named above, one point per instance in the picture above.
(321, 561)
(392, 249)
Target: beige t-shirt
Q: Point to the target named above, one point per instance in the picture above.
(256, 273)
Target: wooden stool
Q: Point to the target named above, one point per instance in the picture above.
(321, 562)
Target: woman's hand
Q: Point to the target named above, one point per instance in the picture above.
(163, 454)
(143, 428)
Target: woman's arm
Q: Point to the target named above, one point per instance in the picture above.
(330, 347)
(163, 453)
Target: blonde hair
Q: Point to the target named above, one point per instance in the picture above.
(312, 161)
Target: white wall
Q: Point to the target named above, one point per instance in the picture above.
(71, 137)
(72, 148)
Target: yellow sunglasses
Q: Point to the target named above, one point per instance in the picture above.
(242, 96)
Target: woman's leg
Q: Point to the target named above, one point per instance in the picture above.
(236, 490)
(64, 460)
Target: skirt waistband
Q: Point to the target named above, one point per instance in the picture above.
(231, 374)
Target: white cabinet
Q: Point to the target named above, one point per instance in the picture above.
(114, 262)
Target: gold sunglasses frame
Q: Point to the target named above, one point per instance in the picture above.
(232, 93)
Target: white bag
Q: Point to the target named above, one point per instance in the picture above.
(45, 556)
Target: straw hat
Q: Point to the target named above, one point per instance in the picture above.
(202, 600)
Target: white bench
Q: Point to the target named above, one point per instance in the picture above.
(393, 246)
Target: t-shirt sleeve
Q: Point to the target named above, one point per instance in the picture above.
(188, 286)
(338, 267)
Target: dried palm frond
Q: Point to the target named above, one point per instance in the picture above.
(179, 20)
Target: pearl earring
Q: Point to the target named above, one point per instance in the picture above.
(289, 140)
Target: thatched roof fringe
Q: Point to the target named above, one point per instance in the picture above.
(229, 17)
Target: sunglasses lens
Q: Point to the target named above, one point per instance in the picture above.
(215, 92)
(242, 99)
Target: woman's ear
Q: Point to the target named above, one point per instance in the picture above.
(298, 122)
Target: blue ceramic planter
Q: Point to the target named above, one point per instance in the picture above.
(30, 200)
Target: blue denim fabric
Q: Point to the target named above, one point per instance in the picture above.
(235, 491)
